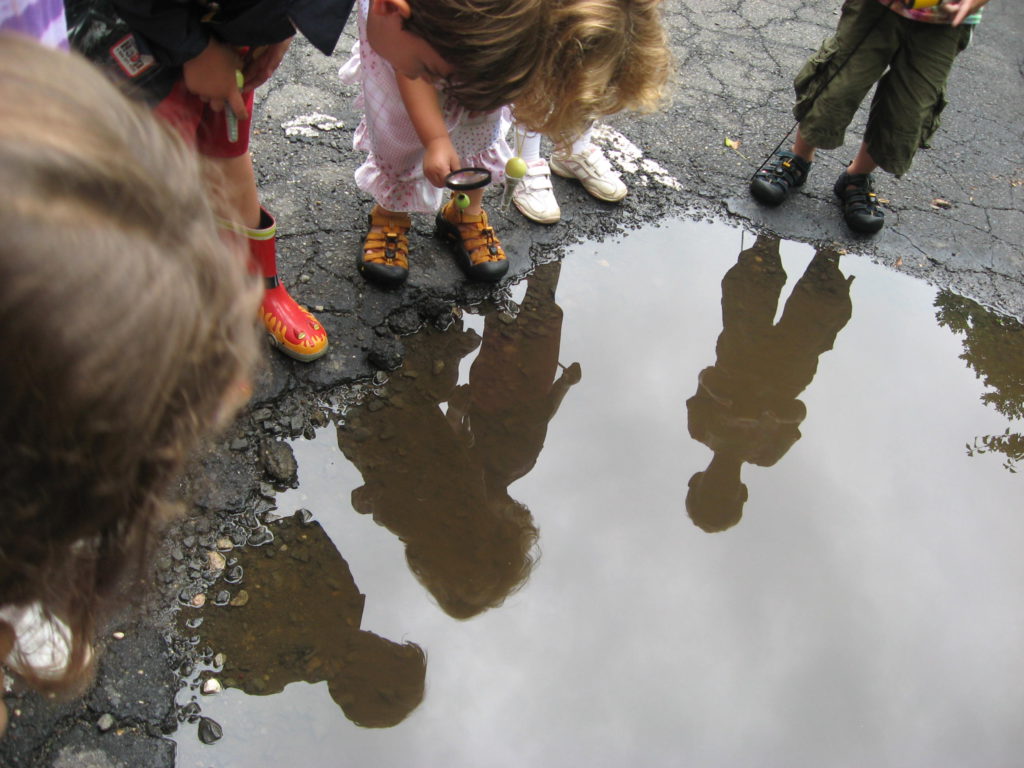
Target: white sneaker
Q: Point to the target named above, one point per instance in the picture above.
(534, 196)
(594, 172)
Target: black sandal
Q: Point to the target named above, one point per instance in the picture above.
(772, 183)
(860, 205)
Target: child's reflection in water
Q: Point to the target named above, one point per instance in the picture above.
(440, 482)
(301, 622)
(746, 408)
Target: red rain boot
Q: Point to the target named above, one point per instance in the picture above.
(292, 328)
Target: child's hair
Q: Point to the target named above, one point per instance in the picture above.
(126, 323)
(561, 63)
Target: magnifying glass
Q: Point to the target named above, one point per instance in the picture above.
(465, 179)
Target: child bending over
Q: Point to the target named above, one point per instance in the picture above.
(430, 103)
(128, 329)
(211, 43)
(908, 52)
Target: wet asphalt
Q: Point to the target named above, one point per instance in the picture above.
(956, 221)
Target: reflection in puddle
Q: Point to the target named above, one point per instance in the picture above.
(746, 408)
(299, 620)
(994, 348)
(864, 613)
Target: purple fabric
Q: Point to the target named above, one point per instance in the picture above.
(42, 19)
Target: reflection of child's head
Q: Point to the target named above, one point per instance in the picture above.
(478, 560)
(381, 682)
(125, 324)
(715, 501)
(562, 63)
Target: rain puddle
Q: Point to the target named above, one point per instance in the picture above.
(615, 528)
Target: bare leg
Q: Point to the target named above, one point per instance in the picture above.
(863, 162)
(234, 180)
(801, 148)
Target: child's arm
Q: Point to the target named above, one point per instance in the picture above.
(421, 102)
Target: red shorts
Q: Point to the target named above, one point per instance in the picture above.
(203, 127)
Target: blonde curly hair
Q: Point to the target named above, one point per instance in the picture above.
(560, 63)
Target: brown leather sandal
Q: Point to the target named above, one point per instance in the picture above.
(385, 256)
(477, 248)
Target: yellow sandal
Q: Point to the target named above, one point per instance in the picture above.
(385, 256)
(477, 248)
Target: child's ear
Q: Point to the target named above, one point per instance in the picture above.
(391, 7)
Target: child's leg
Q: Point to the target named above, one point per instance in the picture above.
(586, 162)
(292, 329)
(910, 97)
(862, 162)
(477, 248)
(235, 182)
(534, 195)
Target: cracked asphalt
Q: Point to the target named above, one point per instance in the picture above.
(734, 66)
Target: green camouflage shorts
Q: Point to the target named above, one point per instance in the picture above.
(910, 61)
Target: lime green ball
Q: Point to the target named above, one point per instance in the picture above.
(515, 167)
(462, 201)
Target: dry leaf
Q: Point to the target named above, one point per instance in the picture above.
(732, 143)
(899, 262)
(938, 202)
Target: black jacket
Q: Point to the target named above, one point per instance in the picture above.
(174, 31)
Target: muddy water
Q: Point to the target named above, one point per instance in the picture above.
(704, 501)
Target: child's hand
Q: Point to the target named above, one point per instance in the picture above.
(440, 159)
(211, 77)
(262, 63)
(963, 9)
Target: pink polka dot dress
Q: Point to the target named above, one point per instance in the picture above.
(393, 170)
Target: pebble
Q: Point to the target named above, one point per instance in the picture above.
(216, 560)
(239, 599)
(118, 635)
(106, 722)
(198, 601)
(212, 685)
(209, 730)
(279, 461)
(225, 543)
(222, 598)
(260, 535)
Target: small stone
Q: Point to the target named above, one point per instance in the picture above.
(209, 730)
(106, 722)
(225, 544)
(118, 635)
(212, 685)
(219, 659)
(260, 536)
(279, 461)
(222, 598)
(304, 278)
(216, 560)
(198, 601)
(239, 599)
(239, 444)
